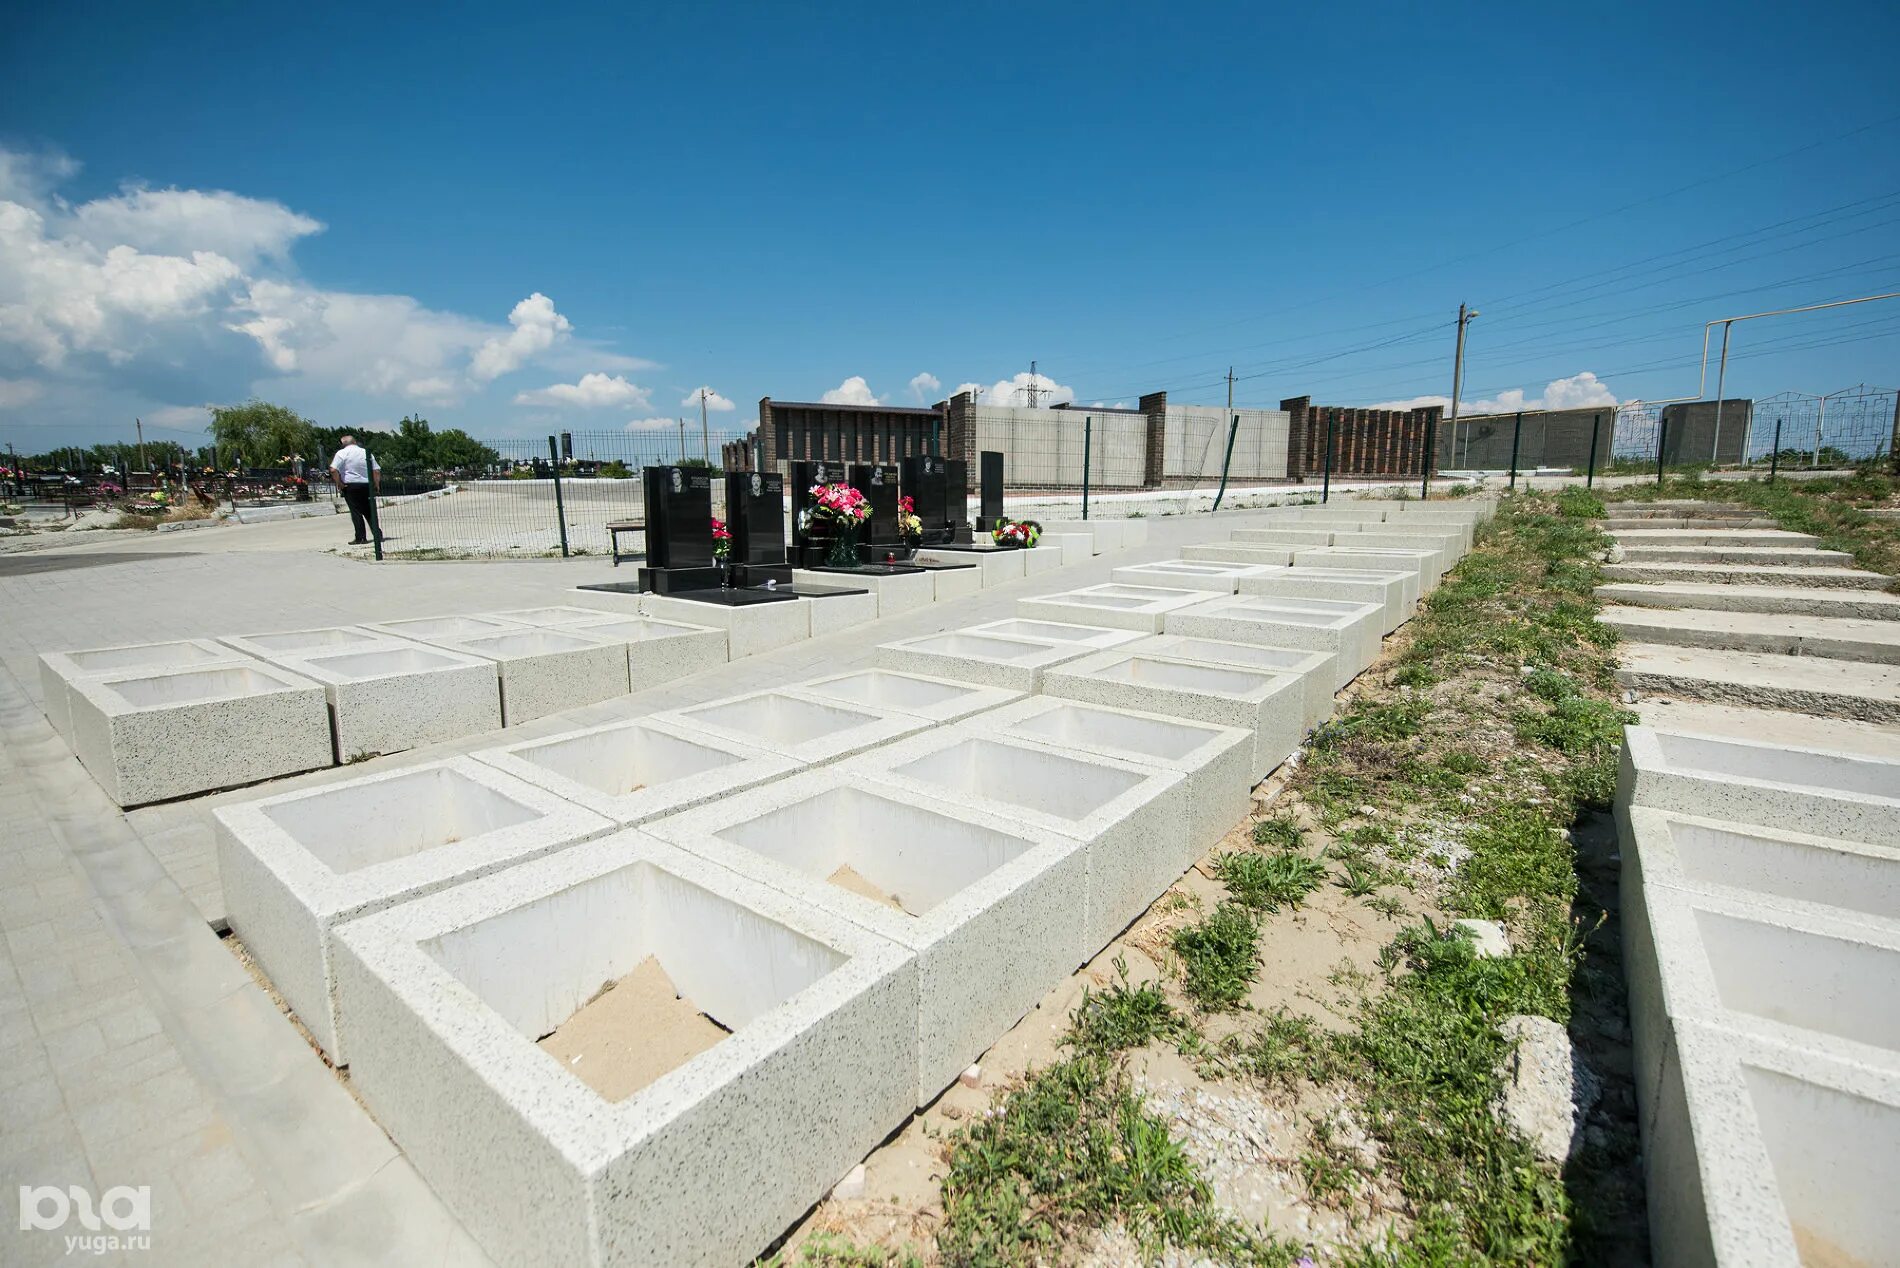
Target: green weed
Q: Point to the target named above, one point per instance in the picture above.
(1267, 882)
(1218, 960)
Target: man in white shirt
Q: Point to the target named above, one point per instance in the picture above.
(356, 474)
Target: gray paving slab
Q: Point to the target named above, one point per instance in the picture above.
(1831, 637)
(1869, 605)
(1800, 684)
(1747, 575)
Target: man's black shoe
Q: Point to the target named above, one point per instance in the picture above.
(359, 541)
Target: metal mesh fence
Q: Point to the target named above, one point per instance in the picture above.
(515, 505)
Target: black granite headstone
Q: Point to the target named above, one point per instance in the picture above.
(924, 483)
(755, 516)
(804, 476)
(990, 464)
(679, 517)
(879, 486)
(956, 495)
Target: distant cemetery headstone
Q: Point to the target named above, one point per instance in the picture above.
(924, 481)
(990, 464)
(879, 486)
(956, 496)
(679, 517)
(755, 516)
(804, 476)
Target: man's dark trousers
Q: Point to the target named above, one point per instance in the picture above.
(357, 496)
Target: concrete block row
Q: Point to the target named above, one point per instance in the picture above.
(1761, 900)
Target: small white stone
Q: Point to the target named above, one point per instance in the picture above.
(1488, 939)
(971, 1077)
(852, 1186)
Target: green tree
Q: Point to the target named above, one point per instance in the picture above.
(262, 434)
(456, 449)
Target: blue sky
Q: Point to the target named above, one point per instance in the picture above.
(511, 219)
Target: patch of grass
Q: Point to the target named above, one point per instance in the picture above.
(1122, 1016)
(1267, 882)
(1280, 832)
(1218, 959)
(1071, 1150)
(1581, 504)
(1359, 880)
(1287, 1049)
(828, 1250)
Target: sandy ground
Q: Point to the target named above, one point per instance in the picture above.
(632, 1032)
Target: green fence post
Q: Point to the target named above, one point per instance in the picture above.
(1662, 443)
(1517, 434)
(1590, 477)
(1774, 459)
(1326, 488)
(1088, 429)
(560, 507)
(1233, 430)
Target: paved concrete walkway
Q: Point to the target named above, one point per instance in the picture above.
(134, 1049)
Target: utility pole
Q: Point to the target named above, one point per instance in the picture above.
(140, 424)
(682, 440)
(1032, 390)
(705, 436)
(1457, 381)
(1230, 389)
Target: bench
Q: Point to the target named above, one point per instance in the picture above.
(615, 528)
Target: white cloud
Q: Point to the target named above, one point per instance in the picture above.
(1579, 391)
(1015, 391)
(853, 391)
(178, 221)
(179, 417)
(714, 402)
(652, 424)
(536, 328)
(65, 295)
(17, 392)
(594, 391)
(377, 344)
(924, 385)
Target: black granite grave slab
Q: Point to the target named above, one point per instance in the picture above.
(990, 510)
(879, 486)
(924, 478)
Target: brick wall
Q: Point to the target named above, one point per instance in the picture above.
(1366, 442)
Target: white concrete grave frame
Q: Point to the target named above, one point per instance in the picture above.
(1132, 817)
(1093, 637)
(1795, 871)
(897, 593)
(391, 694)
(988, 660)
(994, 910)
(1395, 592)
(1129, 607)
(750, 630)
(1268, 704)
(445, 996)
(1768, 785)
(152, 735)
(296, 865)
(1760, 1153)
(1350, 631)
(659, 651)
(807, 729)
(633, 771)
(438, 629)
(1188, 574)
(918, 695)
(59, 670)
(1315, 668)
(1216, 760)
(546, 671)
